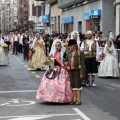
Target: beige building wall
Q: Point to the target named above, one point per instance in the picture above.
(56, 18)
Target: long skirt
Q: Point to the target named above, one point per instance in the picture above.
(56, 90)
(3, 56)
(109, 67)
(38, 59)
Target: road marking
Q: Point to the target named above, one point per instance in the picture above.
(37, 76)
(19, 91)
(77, 119)
(29, 68)
(33, 72)
(4, 104)
(25, 66)
(14, 100)
(18, 103)
(23, 63)
(81, 114)
(30, 116)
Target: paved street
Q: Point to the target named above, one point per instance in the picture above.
(18, 85)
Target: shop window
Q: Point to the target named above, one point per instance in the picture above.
(93, 25)
(68, 27)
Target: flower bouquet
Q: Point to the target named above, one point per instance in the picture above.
(65, 44)
(48, 43)
(49, 61)
(5, 47)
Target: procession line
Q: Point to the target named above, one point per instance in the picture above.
(18, 91)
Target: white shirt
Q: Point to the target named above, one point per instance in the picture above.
(16, 38)
(6, 38)
(90, 44)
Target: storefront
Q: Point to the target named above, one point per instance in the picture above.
(93, 20)
(96, 16)
(68, 23)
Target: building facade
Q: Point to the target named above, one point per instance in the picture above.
(36, 12)
(55, 16)
(22, 15)
(117, 12)
(5, 15)
(83, 15)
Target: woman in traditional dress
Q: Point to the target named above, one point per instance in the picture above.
(37, 55)
(109, 65)
(55, 84)
(3, 53)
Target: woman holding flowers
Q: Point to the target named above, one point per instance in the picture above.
(109, 65)
(3, 53)
(37, 55)
(55, 84)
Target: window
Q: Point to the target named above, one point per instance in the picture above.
(33, 10)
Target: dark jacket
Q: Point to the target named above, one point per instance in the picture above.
(76, 61)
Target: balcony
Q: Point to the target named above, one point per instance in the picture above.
(66, 3)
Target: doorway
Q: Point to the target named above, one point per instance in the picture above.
(79, 26)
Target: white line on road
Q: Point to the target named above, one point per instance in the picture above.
(77, 119)
(25, 66)
(37, 76)
(81, 114)
(4, 104)
(29, 68)
(18, 91)
(33, 72)
(51, 115)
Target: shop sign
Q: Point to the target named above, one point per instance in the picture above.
(94, 12)
(69, 19)
(45, 18)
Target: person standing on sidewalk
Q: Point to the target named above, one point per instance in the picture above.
(91, 51)
(25, 39)
(16, 40)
